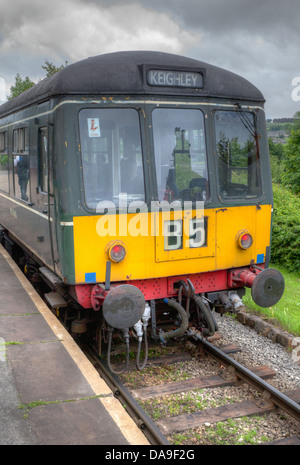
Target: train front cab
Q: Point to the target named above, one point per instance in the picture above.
(149, 191)
(177, 208)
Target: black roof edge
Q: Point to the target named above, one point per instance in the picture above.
(126, 72)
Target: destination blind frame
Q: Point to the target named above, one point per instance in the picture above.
(164, 78)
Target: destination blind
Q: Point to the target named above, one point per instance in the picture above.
(166, 78)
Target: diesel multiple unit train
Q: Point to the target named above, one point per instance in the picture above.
(137, 185)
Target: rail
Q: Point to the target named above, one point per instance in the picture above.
(147, 426)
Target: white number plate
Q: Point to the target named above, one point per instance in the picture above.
(173, 234)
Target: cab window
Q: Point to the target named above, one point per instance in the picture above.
(237, 155)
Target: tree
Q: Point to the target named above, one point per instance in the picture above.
(23, 84)
(51, 69)
(296, 123)
(276, 158)
(20, 86)
(291, 177)
(276, 150)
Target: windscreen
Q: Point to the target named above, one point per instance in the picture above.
(111, 156)
(180, 154)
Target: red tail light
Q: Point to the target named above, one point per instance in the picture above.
(245, 240)
(117, 253)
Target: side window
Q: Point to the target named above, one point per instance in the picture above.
(43, 159)
(4, 186)
(21, 163)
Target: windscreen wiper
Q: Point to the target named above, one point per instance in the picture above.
(247, 122)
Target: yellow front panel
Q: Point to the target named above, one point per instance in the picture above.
(146, 255)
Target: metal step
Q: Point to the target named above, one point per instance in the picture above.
(55, 300)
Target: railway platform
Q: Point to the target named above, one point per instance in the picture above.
(50, 394)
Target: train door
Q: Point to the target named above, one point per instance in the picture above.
(46, 197)
(51, 201)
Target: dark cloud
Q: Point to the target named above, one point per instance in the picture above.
(257, 39)
(222, 15)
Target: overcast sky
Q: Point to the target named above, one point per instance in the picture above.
(258, 39)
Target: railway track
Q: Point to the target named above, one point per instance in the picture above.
(266, 398)
(231, 373)
(150, 430)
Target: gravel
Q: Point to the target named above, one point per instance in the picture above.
(257, 349)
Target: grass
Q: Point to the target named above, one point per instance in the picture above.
(169, 373)
(182, 403)
(239, 431)
(232, 432)
(287, 310)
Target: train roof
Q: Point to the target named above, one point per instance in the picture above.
(128, 73)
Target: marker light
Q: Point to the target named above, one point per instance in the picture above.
(117, 251)
(245, 240)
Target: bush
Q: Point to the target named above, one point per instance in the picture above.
(285, 247)
(291, 177)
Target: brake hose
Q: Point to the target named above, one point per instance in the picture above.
(207, 315)
(184, 322)
(126, 336)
